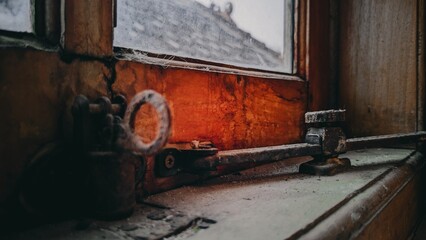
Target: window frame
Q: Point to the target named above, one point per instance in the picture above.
(312, 55)
(291, 73)
(45, 24)
(311, 47)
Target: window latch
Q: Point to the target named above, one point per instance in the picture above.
(109, 151)
(324, 141)
(324, 129)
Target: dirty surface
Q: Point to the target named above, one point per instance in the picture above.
(147, 222)
(369, 157)
(264, 205)
(268, 202)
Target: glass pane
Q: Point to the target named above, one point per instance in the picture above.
(246, 33)
(15, 15)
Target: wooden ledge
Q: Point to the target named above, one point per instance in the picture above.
(386, 208)
(378, 199)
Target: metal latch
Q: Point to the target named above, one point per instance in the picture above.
(177, 157)
(106, 144)
(325, 130)
(324, 140)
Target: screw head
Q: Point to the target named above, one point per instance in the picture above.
(169, 161)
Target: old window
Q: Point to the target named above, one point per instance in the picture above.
(16, 15)
(245, 33)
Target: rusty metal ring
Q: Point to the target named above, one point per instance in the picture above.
(163, 112)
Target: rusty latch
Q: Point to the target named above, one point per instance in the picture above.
(106, 144)
(177, 157)
(324, 129)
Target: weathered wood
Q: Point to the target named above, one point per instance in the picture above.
(399, 219)
(47, 20)
(318, 60)
(229, 110)
(288, 40)
(387, 208)
(36, 93)
(88, 27)
(300, 56)
(378, 65)
(384, 141)
(421, 80)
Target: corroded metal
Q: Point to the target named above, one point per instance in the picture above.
(256, 155)
(110, 173)
(98, 124)
(104, 105)
(167, 162)
(106, 147)
(332, 140)
(101, 122)
(112, 183)
(174, 158)
(325, 131)
(160, 105)
(328, 116)
(276, 153)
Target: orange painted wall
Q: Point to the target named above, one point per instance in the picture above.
(232, 111)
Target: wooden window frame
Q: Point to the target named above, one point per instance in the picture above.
(311, 55)
(311, 43)
(87, 32)
(288, 67)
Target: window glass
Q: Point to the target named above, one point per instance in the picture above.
(15, 15)
(245, 33)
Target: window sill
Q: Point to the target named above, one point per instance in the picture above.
(275, 202)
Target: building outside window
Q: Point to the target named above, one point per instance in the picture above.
(248, 34)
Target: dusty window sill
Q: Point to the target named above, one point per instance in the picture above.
(275, 202)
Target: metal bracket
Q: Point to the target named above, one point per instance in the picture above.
(106, 144)
(325, 131)
(97, 125)
(175, 158)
